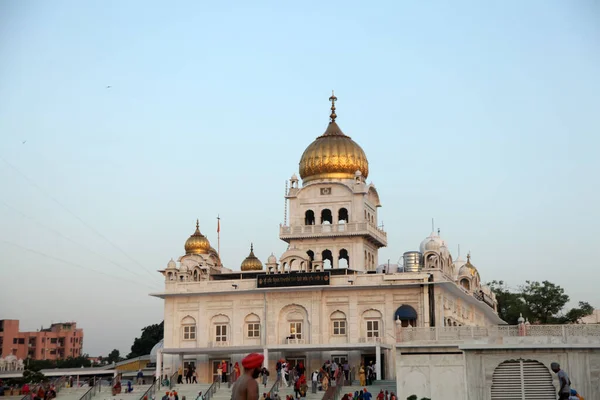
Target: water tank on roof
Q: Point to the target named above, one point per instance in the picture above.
(413, 261)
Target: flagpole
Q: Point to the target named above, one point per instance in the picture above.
(219, 237)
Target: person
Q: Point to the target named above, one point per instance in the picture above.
(25, 389)
(303, 387)
(172, 396)
(284, 373)
(224, 370)
(236, 371)
(175, 395)
(565, 383)
(346, 368)
(361, 375)
(180, 376)
(166, 396)
(325, 382)
(393, 396)
(315, 381)
(194, 376)
(41, 393)
(381, 395)
(129, 387)
(220, 373)
(366, 394)
(166, 381)
(575, 395)
(265, 376)
(140, 376)
(246, 388)
(117, 387)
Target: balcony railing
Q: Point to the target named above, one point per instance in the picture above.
(219, 344)
(294, 341)
(553, 333)
(371, 339)
(329, 230)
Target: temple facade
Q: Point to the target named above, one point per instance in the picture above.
(326, 297)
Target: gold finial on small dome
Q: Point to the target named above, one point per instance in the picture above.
(197, 243)
(333, 99)
(251, 263)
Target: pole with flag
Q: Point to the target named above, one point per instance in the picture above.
(219, 237)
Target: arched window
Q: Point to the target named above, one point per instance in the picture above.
(327, 259)
(366, 215)
(252, 326)
(220, 323)
(465, 283)
(326, 217)
(343, 216)
(338, 323)
(407, 316)
(372, 324)
(188, 327)
(344, 259)
(311, 256)
(309, 217)
(195, 275)
(522, 379)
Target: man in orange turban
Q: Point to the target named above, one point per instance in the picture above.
(246, 388)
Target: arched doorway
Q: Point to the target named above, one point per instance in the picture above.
(327, 259)
(326, 217)
(309, 217)
(344, 259)
(311, 256)
(522, 380)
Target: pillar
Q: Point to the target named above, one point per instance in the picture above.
(78, 380)
(180, 362)
(266, 360)
(159, 357)
(378, 362)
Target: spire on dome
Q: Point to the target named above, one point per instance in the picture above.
(333, 99)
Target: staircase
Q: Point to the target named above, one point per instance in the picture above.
(190, 390)
(389, 385)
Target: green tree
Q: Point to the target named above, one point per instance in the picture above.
(510, 304)
(114, 356)
(543, 301)
(151, 335)
(33, 376)
(574, 315)
(74, 362)
(38, 365)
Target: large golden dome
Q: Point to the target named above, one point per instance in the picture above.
(197, 243)
(333, 155)
(251, 263)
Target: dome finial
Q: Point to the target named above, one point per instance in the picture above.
(333, 99)
(469, 257)
(197, 224)
(251, 247)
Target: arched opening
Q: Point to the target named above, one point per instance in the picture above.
(311, 256)
(344, 259)
(365, 215)
(195, 275)
(188, 327)
(342, 216)
(465, 283)
(326, 217)
(309, 217)
(252, 322)
(327, 259)
(407, 316)
(522, 379)
(338, 323)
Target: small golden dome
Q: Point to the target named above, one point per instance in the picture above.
(251, 263)
(468, 269)
(333, 155)
(197, 243)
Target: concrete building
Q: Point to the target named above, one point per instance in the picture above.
(324, 298)
(59, 341)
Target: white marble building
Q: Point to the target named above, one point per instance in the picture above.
(326, 297)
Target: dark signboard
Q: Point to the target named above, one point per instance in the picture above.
(293, 279)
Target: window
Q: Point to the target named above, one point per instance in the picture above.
(53, 340)
(53, 351)
(221, 333)
(15, 341)
(339, 328)
(372, 329)
(21, 340)
(253, 330)
(295, 330)
(189, 332)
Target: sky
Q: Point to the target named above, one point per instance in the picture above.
(481, 115)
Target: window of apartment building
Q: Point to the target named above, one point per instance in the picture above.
(53, 351)
(295, 330)
(221, 333)
(338, 323)
(189, 332)
(372, 329)
(53, 340)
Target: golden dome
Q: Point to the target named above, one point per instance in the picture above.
(468, 269)
(197, 243)
(251, 263)
(333, 155)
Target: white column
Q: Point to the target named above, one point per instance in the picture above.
(159, 365)
(180, 361)
(378, 362)
(77, 380)
(266, 360)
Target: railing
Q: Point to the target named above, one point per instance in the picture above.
(218, 344)
(557, 333)
(211, 390)
(91, 391)
(172, 380)
(372, 339)
(335, 392)
(151, 390)
(275, 388)
(294, 341)
(333, 230)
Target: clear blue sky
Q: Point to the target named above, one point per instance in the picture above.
(481, 115)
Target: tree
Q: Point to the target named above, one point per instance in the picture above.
(114, 356)
(74, 362)
(33, 376)
(510, 305)
(543, 301)
(151, 335)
